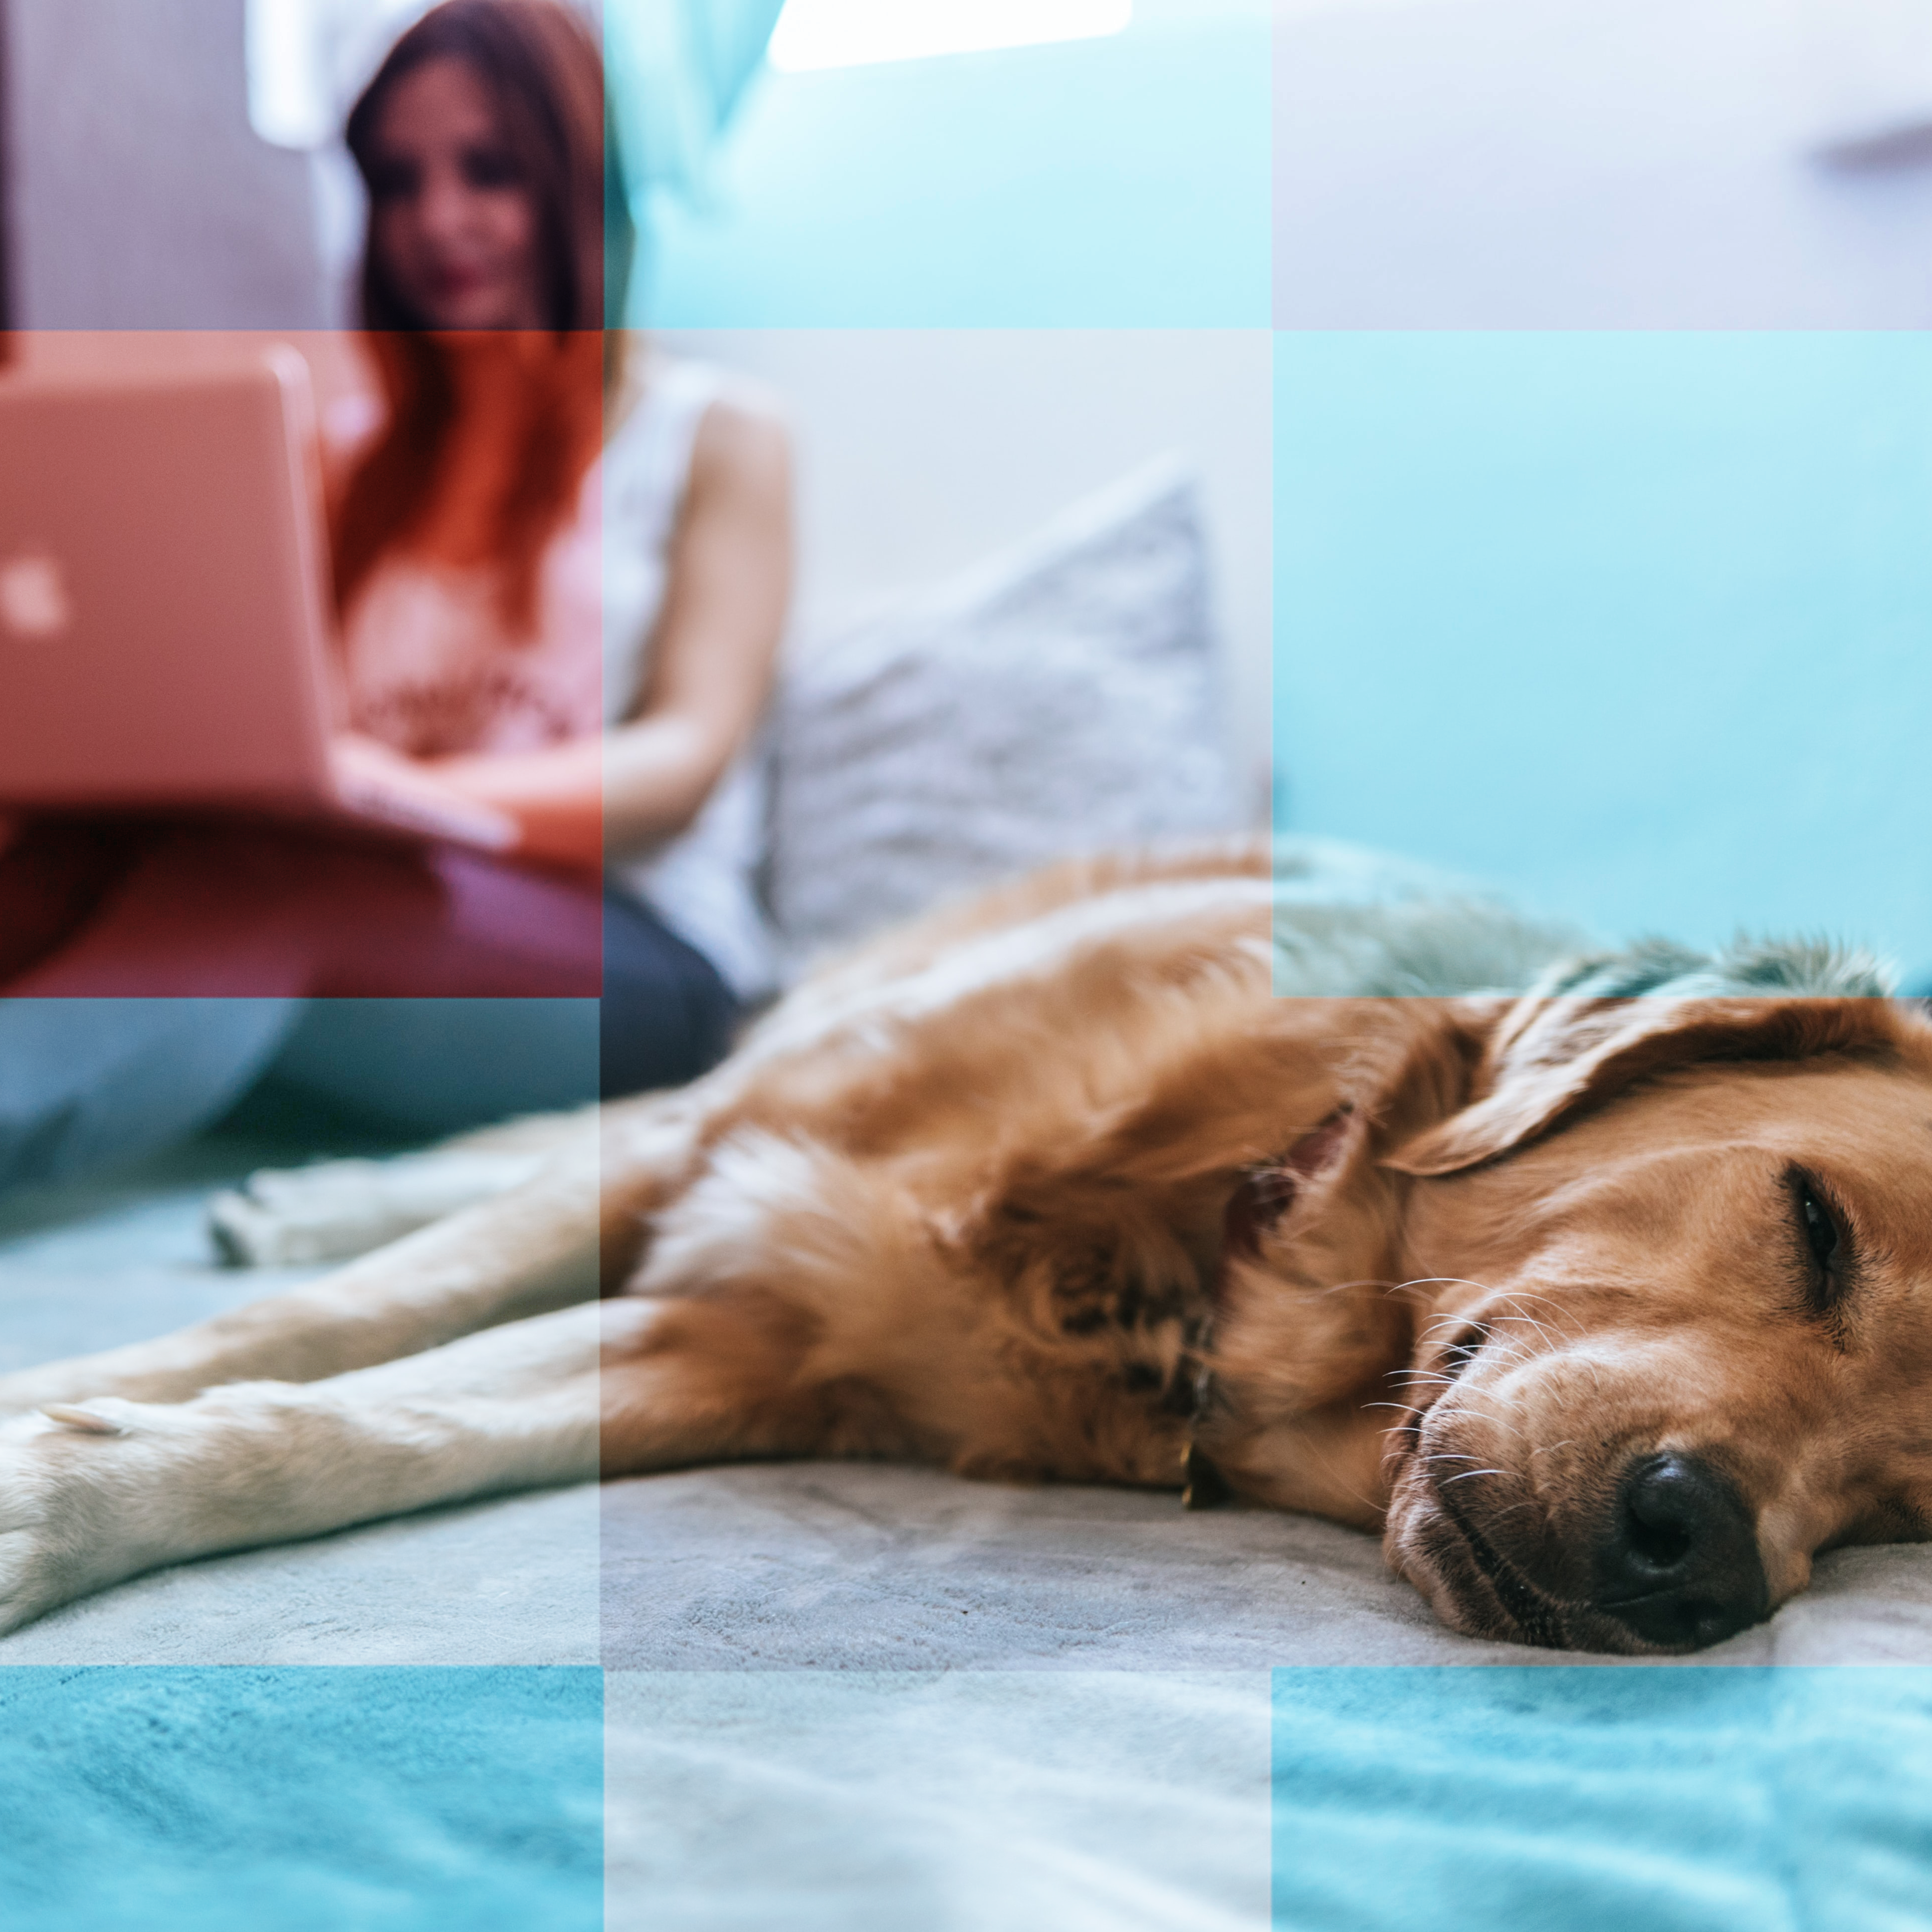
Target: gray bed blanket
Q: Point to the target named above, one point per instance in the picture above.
(786, 1567)
(923, 1701)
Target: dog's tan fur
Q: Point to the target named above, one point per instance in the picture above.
(1053, 1186)
(998, 1236)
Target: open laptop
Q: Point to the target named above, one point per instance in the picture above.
(164, 632)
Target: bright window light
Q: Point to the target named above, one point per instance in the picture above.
(857, 33)
(307, 59)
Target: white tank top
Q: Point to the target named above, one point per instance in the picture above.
(432, 670)
(701, 882)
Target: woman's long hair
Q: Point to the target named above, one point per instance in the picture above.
(542, 63)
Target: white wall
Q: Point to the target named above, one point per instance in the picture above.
(142, 198)
(922, 450)
(1603, 164)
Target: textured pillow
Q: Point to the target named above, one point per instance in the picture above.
(1059, 700)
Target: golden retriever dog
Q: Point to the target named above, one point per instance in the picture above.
(1608, 1302)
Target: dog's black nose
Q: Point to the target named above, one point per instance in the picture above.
(1679, 1563)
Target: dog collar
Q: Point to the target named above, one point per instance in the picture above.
(1202, 1485)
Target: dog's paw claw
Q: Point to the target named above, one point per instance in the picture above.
(87, 1420)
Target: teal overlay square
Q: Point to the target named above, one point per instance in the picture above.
(1595, 1799)
(1122, 182)
(307, 1800)
(1058, 1800)
(1634, 625)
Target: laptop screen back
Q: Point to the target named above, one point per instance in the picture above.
(161, 625)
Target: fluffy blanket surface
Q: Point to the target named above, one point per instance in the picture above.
(230, 1800)
(924, 1701)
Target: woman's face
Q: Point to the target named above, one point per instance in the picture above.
(451, 218)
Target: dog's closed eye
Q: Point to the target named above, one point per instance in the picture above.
(1826, 1251)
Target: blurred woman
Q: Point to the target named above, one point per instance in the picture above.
(562, 565)
(563, 562)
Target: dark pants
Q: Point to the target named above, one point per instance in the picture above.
(438, 979)
(160, 909)
(666, 1016)
(430, 1067)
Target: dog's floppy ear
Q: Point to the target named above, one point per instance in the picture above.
(1549, 1058)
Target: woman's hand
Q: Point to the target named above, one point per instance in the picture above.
(555, 796)
(365, 768)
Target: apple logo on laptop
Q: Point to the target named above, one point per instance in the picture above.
(34, 600)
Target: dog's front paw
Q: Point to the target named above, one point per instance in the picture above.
(70, 1497)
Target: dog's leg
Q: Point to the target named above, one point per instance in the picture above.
(530, 1251)
(541, 1246)
(98, 1493)
(706, 1380)
(334, 1210)
(338, 1209)
(728, 1378)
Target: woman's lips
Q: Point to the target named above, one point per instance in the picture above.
(454, 284)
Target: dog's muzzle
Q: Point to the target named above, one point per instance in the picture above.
(1677, 1564)
(1671, 1564)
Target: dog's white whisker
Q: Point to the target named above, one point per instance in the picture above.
(1449, 1410)
(1542, 1328)
(1543, 1325)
